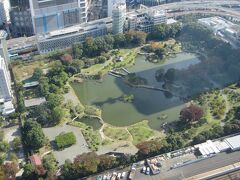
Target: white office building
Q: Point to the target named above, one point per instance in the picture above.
(50, 15)
(64, 38)
(111, 4)
(6, 105)
(3, 18)
(118, 18)
(146, 20)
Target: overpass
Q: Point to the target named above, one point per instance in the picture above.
(195, 7)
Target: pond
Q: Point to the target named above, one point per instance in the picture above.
(148, 104)
(90, 121)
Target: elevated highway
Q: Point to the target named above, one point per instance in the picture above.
(216, 7)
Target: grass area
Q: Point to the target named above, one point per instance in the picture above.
(91, 110)
(117, 133)
(24, 69)
(141, 132)
(93, 138)
(128, 55)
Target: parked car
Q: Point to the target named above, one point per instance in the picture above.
(144, 169)
(119, 176)
(105, 177)
(148, 171)
(99, 177)
(114, 175)
(123, 174)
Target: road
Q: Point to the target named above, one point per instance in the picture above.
(220, 160)
(202, 6)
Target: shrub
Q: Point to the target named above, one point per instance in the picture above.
(64, 140)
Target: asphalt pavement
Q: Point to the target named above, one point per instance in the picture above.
(220, 160)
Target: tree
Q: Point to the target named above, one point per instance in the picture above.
(78, 64)
(66, 59)
(50, 163)
(106, 162)
(101, 59)
(13, 157)
(89, 47)
(159, 52)
(86, 163)
(119, 41)
(33, 136)
(29, 172)
(41, 113)
(10, 171)
(57, 115)
(174, 142)
(4, 146)
(149, 148)
(191, 114)
(38, 72)
(77, 50)
(54, 100)
(136, 38)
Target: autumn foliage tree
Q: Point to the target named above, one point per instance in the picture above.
(66, 59)
(10, 170)
(86, 164)
(191, 114)
(149, 147)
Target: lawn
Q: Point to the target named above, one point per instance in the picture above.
(140, 132)
(116, 133)
(128, 55)
(24, 69)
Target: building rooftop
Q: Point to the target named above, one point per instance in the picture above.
(21, 42)
(35, 160)
(233, 142)
(3, 34)
(76, 29)
(34, 102)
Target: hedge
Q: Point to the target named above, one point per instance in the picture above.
(64, 140)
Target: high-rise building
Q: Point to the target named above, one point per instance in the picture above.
(5, 81)
(49, 15)
(118, 18)
(6, 106)
(111, 3)
(3, 18)
(21, 20)
(3, 46)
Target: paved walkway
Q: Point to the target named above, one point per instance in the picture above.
(11, 133)
(72, 151)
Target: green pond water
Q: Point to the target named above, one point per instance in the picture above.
(91, 121)
(147, 104)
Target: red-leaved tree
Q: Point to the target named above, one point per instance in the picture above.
(191, 114)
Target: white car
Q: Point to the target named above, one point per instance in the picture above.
(119, 176)
(144, 169)
(123, 174)
(148, 171)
